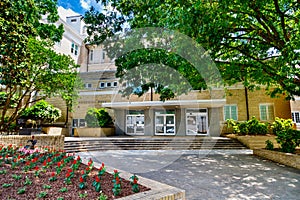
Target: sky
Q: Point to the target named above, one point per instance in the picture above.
(79, 6)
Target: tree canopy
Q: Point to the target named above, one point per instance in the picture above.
(30, 70)
(253, 42)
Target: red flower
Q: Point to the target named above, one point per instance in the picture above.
(90, 162)
(74, 162)
(135, 181)
(19, 157)
(115, 171)
(97, 179)
(117, 180)
(82, 172)
(28, 163)
(6, 156)
(58, 164)
(49, 160)
(53, 174)
(45, 163)
(81, 180)
(87, 169)
(70, 170)
(68, 175)
(78, 157)
(36, 168)
(15, 160)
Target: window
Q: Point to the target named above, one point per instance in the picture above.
(230, 112)
(88, 85)
(91, 55)
(79, 123)
(102, 85)
(73, 20)
(115, 84)
(74, 48)
(296, 117)
(108, 84)
(266, 112)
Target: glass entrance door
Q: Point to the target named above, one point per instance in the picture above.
(135, 124)
(196, 122)
(164, 123)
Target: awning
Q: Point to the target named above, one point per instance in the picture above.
(203, 103)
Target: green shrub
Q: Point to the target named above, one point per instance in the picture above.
(231, 123)
(288, 140)
(43, 111)
(256, 127)
(98, 118)
(251, 127)
(243, 128)
(281, 124)
(269, 145)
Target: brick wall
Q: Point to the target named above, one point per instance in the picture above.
(52, 141)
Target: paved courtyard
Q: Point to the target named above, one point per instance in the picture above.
(209, 174)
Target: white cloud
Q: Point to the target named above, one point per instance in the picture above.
(86, 4)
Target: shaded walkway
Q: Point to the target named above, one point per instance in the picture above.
(212, 176)
(230, 177)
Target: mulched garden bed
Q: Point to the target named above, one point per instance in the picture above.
(43, 166)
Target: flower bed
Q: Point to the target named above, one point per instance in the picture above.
(44, 174)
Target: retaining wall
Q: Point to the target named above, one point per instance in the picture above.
(292, 160)
(52, 141)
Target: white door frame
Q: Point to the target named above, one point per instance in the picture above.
(197, 116)
(168, 127)
(135, 124)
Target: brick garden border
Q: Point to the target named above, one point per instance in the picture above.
(159, 191)
(288, 159)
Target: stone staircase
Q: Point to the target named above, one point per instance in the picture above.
(151, 143)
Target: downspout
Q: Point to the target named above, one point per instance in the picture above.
(88, 56)
(247, 103)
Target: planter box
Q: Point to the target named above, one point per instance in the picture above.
(94, 132)
(52, 130)
(255, 142)
(292, 160)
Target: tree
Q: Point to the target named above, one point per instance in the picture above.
(43, 111)
(253, 42)
(30, 70)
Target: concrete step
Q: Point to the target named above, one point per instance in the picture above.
(102, 144)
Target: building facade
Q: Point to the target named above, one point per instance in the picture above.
(295, 108)
(196, 113)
